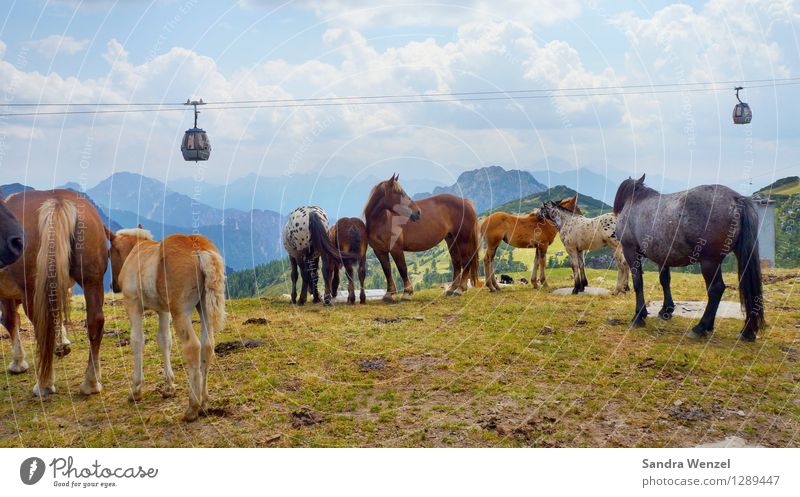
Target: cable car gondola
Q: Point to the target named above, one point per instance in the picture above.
(741, 112)
(195, 145)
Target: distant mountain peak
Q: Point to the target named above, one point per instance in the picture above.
(490, 186)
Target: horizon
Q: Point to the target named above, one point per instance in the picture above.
(109, 52)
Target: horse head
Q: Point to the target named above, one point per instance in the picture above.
(626, 191)
(389, 195)
(122, 243)
(11, 236)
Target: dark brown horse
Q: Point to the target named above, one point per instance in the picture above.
(701, 225)
(65, 241)
(395, 224)
(349, 236)
(10, 236)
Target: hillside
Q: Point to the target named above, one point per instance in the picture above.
(490, 186)
(784, 186)
(590, 206)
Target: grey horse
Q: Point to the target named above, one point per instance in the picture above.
(701, 225)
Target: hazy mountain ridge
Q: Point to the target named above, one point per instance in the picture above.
(590, 206)
(490, 186)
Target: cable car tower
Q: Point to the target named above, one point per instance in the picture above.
(195, 145)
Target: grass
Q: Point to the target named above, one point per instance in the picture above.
(518, 368)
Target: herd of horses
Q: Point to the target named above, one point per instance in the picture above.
(51, 240)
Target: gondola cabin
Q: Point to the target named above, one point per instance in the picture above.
(195, 145)
(741, 112)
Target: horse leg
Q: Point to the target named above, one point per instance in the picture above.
(458, 268)
(712, 273)
(327, 267)
(669, 306)
(95, 321)
(206, 353)
(351, 285)
(294, 279)
(10, 319)
(576, 273)
(304, 276)
(400, 261)
(182, 319)
(63, 347)
(362, 275)
(135, 312)
(638, 286)
(391, 289)
(582, 265)
(313, 277)
(623, 270)
(488, 267)
(335, 280)
(542, 277)
(164, 338)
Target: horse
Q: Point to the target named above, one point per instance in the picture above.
(305, 238)
(581, 234)
(506, 279)
(65, 243)
(529, 231)
(348, 235)
(11, 244)
(703, 224)
(395, 224)
(173, 277)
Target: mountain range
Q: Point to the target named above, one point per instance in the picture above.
(490, 186)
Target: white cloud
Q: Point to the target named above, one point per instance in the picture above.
(57, 44)
(370, 14)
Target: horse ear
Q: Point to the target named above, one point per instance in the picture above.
(109, 234)
(139, 226)
(640, 181)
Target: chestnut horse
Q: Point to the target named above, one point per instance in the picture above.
(529, 231)
(10, 236)
(395, 224)
(349, 236)
(173, 278)
(65, 242)
(702, 225)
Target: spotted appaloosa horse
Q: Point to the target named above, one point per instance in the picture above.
(581, 234)
(305, 238)
(173, 278)
(702, 225)
(11, 243)
(65, 242)
(349, 236)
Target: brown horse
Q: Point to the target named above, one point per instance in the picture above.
(65, 242)
(349, 236)
(530, 231)
(10, 236)
(395, 224)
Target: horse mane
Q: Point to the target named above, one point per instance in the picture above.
(140, 233)
(627, 190)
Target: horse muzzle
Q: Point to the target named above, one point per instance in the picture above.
(12, 250)
(415, 216)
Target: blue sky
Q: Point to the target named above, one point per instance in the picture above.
(166, 51)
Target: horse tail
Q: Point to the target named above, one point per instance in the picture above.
(355, 239)
(749, 265)
(476, 240)
(320, 240)
(213, 268)
(57, 221)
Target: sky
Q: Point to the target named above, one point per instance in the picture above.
(165, 51)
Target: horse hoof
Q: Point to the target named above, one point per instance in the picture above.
(135, 397)
(167, 392)
(665, 315)
(43, 392)
(191, 414)
(388, 298)
(454, 293)
(89, 388)
(18, 368)
(747, 337)
(697, 333)
(638, 323)
(327, 303)
(62, 350)
(406, 297)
